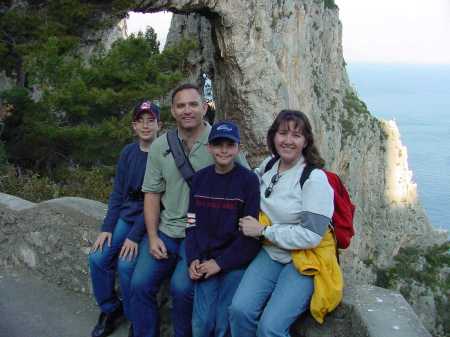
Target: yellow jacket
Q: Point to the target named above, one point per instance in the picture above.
(320, 262)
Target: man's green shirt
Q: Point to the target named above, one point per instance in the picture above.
(162, 176)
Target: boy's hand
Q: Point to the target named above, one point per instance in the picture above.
(209, 268)
(157, 248)
(194, 272)
(129, 250)
(100, 241)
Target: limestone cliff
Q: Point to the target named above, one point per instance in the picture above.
(268, 55)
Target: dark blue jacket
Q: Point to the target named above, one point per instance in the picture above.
(126, 199)
(218, 201)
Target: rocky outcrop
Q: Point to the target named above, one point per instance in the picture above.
(52, 238)
(270, 55)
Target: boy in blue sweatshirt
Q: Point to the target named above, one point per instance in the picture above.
(217, 252)
(116, 246)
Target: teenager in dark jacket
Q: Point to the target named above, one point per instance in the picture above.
(116, 246)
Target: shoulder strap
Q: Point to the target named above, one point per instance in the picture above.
(306, 173)
(181, 160)
(270, 163)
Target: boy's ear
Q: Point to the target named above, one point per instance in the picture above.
(209, 148)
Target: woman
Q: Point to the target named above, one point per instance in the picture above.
(272, 293)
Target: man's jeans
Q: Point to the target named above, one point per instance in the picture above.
(212, 298)
(150, 274)
(269, 298)
(103, 266)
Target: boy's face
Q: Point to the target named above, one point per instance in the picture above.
(146, 127)
(223, 151)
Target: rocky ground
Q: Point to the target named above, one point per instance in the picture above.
(31, 307)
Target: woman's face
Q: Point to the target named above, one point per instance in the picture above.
(289, 142)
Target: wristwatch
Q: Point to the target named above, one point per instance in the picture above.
(261, 237)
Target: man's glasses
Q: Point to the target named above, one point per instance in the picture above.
(269, 188)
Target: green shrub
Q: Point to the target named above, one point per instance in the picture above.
(29, 186)
(422, 267)
(95, 183)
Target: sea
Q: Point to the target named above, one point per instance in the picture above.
(417, 97)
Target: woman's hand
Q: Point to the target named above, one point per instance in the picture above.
(129, 250)
(100, 241)
(250, 226)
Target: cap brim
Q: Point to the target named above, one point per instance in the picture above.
(229, 137)
(145, 111)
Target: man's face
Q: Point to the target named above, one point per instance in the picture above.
(188, 109)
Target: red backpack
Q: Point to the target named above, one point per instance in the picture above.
(344, 210)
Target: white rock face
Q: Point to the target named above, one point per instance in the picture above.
(269, 55)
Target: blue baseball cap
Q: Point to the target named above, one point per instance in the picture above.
(227, 130)
(145, 106)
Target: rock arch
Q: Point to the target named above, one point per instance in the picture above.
(269, 55)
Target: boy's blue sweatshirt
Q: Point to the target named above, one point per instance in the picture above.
(218, 201)
(124, 202)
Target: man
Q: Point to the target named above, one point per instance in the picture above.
(164, 185)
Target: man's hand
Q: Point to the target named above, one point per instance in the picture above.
(129, 250)
(249, 226)
(194, 272)
(100, 241)
(209, 268)
(157, 248)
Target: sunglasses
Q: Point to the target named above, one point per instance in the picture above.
(269, 188)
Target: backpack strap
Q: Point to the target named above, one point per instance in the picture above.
(270, 163)
(306, 173)
(181, 160)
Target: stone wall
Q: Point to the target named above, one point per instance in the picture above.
(53, 239)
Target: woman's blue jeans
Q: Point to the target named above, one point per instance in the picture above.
(269, 298)
(147, 280)
(103, 265)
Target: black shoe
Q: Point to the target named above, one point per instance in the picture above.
(107, 323)
(130, 331)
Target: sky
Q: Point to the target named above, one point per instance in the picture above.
(396, 31)
(159, 21)
(382, 31)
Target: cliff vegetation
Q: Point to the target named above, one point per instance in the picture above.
(422, 275)
(66, 114)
